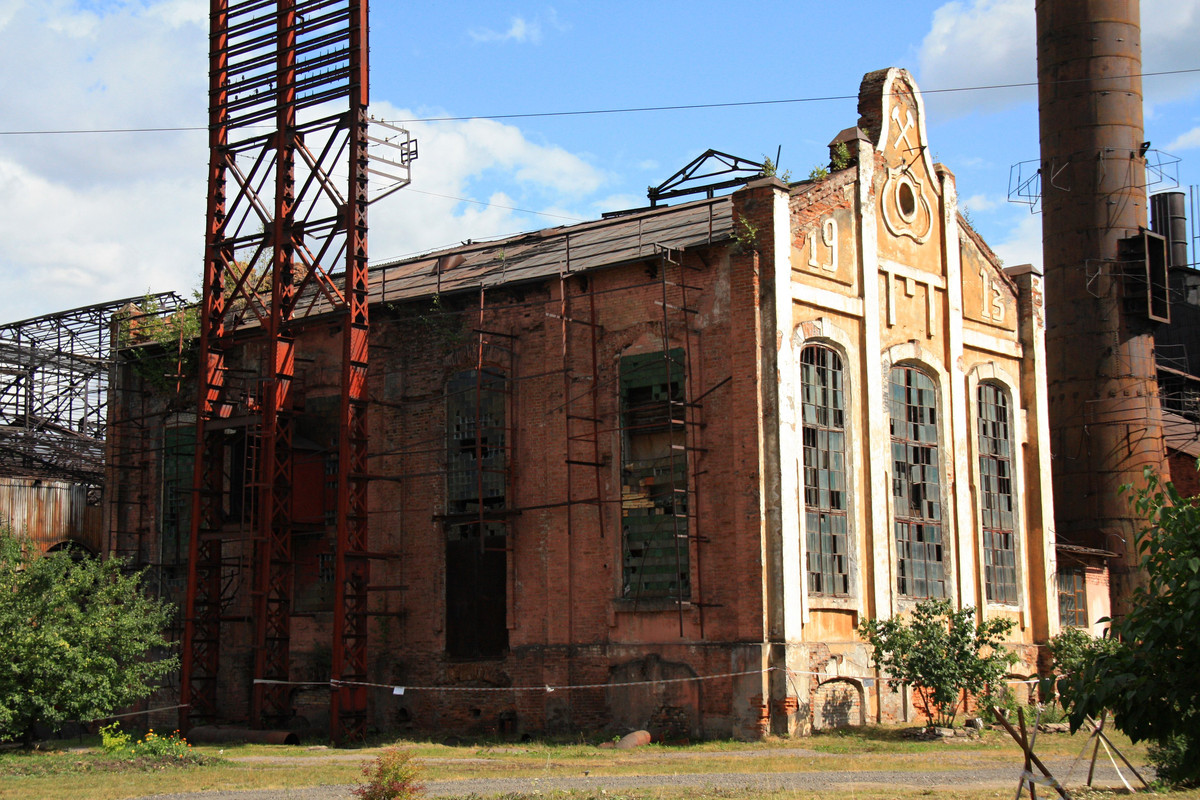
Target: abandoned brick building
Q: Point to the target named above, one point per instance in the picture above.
(652, 470)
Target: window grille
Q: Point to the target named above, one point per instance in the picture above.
(916, 484)
(654, 477)
(996, 496)
(823, 404)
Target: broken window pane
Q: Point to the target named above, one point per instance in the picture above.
(822, 411)
(654, 476)
(916, 484)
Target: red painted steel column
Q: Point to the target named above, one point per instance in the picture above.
(201, 632)
(273, 541)
(348, 716)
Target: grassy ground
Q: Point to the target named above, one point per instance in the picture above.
(80, 770)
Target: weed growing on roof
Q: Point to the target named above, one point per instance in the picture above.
(840, 157)
(745, 233)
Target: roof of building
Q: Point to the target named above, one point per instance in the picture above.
(553, 251)
(1181, 434)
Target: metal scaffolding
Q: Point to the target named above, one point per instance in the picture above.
(54, 376)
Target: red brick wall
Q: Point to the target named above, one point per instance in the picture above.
(567, 622)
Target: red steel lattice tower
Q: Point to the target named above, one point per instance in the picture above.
(288, 99)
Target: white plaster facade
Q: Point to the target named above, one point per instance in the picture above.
(875, 263)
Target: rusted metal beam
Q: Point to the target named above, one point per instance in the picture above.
(348, 713)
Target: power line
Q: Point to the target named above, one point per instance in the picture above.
(606, 111)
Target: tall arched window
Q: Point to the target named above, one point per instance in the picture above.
(996, 495)
(823, 420)
(916, 484)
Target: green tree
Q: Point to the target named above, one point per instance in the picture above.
(77, 638)
(940, 653)
(1149, 679)
(1071, 651)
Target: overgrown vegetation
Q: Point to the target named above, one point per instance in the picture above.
(819, 173)
(940, 652)
(77, 638)
(151, 746)
(771, 170)
(160, 344)
(839, 157)
(745, 234)
(1149, 678)
(391, 776)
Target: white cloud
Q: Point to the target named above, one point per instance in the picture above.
(86, 218)
(984, 43)
(1170, 29)
(991, 42)
(519, 30)
(979, 202)
(474, 159)
(1185, 141)
(65, 246)
(91, 218)
(1023, 244)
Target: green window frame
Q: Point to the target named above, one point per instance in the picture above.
(654, 476)
(175, 517)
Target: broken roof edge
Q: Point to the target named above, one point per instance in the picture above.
(548, 252)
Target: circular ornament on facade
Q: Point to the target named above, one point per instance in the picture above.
(906, 199)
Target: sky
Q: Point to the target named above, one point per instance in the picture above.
(91, 217)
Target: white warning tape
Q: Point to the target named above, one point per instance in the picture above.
(550, 689)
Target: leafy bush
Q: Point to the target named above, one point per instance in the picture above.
(391, 776)
(1149, 679)
(114, 740)
(1072, 650)
(76, 638)
(940, 652)
(151, 748)
(172, 746)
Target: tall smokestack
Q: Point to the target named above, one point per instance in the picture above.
(1104, 408)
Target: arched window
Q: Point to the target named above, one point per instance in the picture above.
(823, 421)
(996, 495)
(916, 484)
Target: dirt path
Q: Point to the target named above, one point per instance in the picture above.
(987, 777)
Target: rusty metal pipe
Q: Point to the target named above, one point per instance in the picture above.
(216, 734)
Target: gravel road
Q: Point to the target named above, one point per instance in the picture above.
(990, 777)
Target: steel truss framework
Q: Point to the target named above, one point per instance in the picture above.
(54, 373)
(280, 225)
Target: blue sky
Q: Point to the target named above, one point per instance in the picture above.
(90, 217)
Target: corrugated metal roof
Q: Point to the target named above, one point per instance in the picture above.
(549, 252)
(1182, 434)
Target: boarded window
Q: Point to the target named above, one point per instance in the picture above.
(996, 495)
(916, 484)
(654, 478)
(315, 566)
(1072, 597)
(476, 495)
(823, 407)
